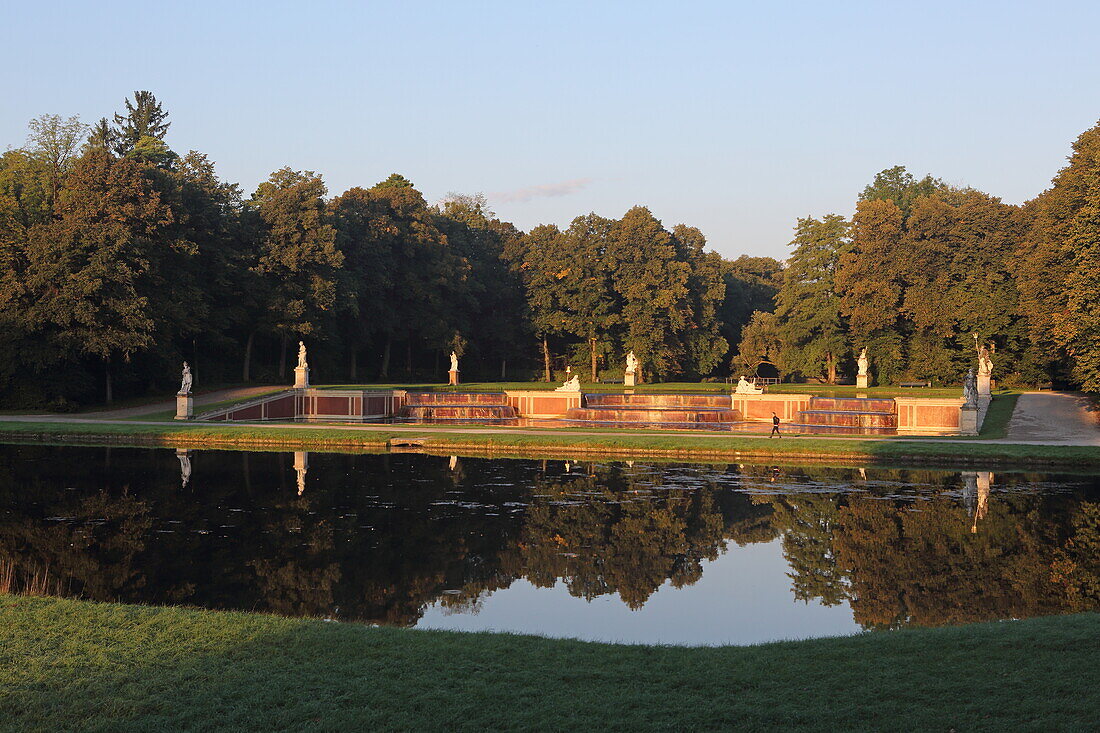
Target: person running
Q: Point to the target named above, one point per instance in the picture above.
(775, 426)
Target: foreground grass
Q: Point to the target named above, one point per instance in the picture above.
(550, 443)
(72, 665)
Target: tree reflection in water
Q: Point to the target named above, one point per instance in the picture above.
(382, 537)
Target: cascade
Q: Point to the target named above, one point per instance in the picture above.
(670, 410)
(866, 415)
(456, 406)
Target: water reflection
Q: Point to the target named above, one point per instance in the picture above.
(412, 539)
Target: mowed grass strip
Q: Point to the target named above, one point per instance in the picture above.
(73, 665)
(553, 443)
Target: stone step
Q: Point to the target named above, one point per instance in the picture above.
(652, 415)
(655, 401)
(458, 412)
(854, 404)
(456, 398)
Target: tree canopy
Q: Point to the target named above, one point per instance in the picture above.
(120, 257)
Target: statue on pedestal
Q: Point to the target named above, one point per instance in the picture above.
(630, 375)
(863, 378)
(302, 355)
(454, 362)
(985, 363)
(744, 386)
(571, 385)
(970, 390)
(185, 385)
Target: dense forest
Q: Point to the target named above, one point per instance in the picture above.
(120, 258)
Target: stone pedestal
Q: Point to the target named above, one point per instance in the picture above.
(628, 379)
(968, 420)
(301, 377)
(185, 407)
(984, 385)
(863, 381)
(452, 376)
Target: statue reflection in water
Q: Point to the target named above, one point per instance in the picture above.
(185, 466)
(976, 495)
(301, 465)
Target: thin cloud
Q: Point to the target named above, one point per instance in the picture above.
(545, 190)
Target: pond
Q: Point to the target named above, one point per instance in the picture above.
(613, 551)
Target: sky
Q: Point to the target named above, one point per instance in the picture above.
(737, 118)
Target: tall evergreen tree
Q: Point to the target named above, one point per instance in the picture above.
(144, 118)
(808, 304)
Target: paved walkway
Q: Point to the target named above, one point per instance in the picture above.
(1055, 417)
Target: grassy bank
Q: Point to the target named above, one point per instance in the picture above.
(72, 665)
(550, 443)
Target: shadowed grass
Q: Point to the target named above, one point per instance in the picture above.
(72, 665)
(995, 425)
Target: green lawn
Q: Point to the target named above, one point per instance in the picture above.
(73, 665)
(555, 443)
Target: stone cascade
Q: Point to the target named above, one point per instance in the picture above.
(867, 415)
(656, 409)
(490, 407)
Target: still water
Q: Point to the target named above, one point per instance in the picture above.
(636, 551)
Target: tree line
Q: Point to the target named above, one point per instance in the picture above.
(120, 258)
(925, 271)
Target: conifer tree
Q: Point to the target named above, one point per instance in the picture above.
(808, 304)
(144, 118)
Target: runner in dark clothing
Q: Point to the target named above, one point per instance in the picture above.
(775, 426)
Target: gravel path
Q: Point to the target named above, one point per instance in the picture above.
(1055, 417)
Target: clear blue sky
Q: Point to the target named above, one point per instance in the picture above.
(733, 117)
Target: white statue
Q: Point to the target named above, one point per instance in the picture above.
(571, 385)
(631, 363)
(454, 362)
(985, 364)
(862, 362)
(970, 390)
(744, 386)
(302, 355)
(185, 386)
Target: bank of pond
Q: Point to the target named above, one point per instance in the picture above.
(609, 551)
